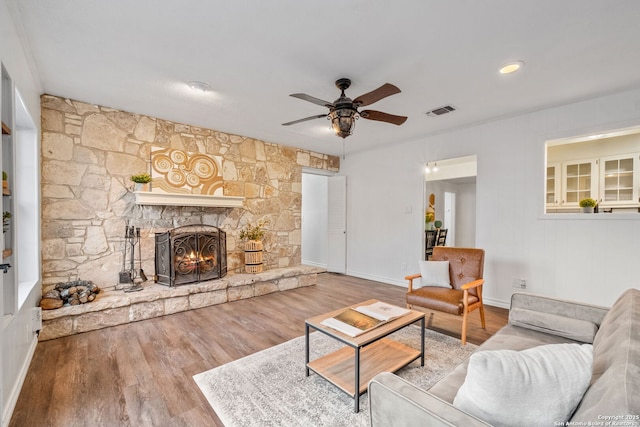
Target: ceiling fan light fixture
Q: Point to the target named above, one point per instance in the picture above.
(511, 67)
(343, 121)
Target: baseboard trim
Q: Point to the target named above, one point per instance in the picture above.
(496, 303)
(314, 264)
(15, 391)
(382, 279)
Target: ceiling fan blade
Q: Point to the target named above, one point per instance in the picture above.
(313, 99)
(376, 95)
(304, 120)
(382, 117)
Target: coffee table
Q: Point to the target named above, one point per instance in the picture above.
(366, 355)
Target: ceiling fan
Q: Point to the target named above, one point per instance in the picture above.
(343, 112)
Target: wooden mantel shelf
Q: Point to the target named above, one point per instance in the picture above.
(169, 199)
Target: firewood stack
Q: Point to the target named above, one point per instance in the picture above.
(71, 293)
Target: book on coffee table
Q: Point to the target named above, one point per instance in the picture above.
(382, 311)
(358, 320)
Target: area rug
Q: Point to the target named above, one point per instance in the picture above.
(269, 388)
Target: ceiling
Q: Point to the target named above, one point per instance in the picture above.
(139, 55)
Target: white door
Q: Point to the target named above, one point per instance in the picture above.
(337, 243)
(450, 217)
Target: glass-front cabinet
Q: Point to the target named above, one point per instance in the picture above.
(619, 181)
(613, 181)
(580, 181)
(552, 191)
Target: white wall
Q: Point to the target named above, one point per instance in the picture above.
(315, 191)
(17, 339)
(590, 259)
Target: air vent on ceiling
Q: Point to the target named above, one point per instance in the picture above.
(441, 110)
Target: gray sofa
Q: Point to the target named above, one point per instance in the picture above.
(612, 395)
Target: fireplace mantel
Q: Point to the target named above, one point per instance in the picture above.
(170, 199)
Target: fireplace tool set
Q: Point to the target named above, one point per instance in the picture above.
(133, 276)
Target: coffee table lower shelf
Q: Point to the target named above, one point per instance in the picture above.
(384, 355)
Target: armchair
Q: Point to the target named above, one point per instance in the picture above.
(464, 295)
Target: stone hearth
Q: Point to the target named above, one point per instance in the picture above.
(115, 307)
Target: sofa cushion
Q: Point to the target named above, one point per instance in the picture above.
(615, 385)
(539, 386)
(435, 273)
(575, 329)
(510, 337)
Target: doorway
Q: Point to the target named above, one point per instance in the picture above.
(451, 184)
(324, 228)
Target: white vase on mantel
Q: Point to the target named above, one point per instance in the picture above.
(138, 186)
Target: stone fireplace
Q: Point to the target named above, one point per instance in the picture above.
(190, 254)
(89, 153)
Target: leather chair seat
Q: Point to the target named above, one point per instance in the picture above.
(441, 299)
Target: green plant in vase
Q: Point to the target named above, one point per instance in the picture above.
(253, 234)
(141, 181)
(588, 205)
(6, 216)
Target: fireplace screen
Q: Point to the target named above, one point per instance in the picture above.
(193, 253)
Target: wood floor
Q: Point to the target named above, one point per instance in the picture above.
(140, 374)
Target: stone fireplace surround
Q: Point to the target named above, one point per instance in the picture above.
(88, 154)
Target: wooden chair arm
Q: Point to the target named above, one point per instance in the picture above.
(465, 297)
(410, 279)
(473, 284)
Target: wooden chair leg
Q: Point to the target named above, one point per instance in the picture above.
(482, 317)
(463, 338)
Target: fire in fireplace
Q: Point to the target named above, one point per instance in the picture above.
(189, 254)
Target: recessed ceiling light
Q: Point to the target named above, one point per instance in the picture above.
(511, 67)
(200, 86)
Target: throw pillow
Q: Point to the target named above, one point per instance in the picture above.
(539, 386)
(435, 273)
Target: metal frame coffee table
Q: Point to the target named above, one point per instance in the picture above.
(366, 355)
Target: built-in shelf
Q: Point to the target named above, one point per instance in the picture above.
(5, 129)
(170, 199)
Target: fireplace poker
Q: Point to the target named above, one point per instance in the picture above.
(133, 240)
(140, 271)
(125, 276)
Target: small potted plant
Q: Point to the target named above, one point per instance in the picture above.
(141, 182)
(6, 216)
(253, 234)
(588, 205)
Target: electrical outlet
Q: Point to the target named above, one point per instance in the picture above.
(519, 283)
